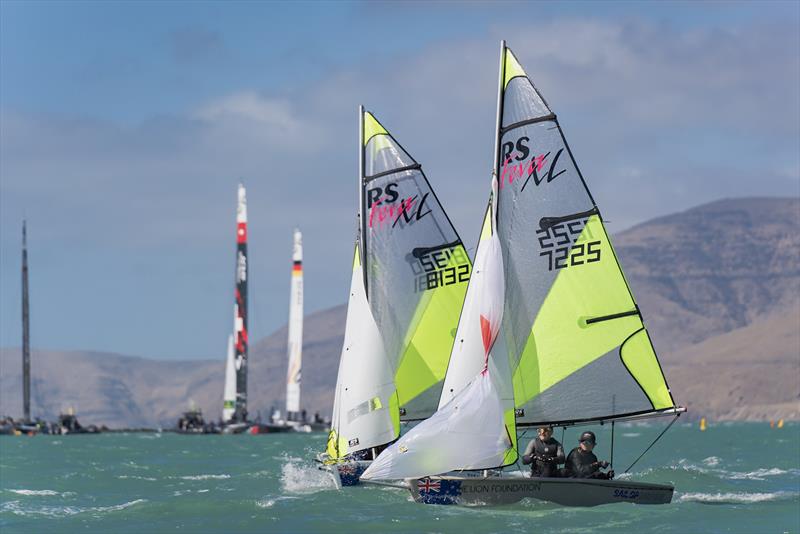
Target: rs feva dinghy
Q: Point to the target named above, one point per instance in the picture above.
(410, 274)
(549, 333)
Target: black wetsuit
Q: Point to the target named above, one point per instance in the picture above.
(583, 464)
(544, 457)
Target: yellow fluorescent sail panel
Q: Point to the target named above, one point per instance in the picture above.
(512, 68)
(561, 342)
(372, 127)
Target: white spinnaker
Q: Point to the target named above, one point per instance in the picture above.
(295, 344)
(365, 385)
(468, 432)
(229, 393)
(469, 354)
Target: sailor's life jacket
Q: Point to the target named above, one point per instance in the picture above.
(544, 457)
(584, 464)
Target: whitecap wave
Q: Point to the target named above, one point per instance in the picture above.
(34, 492)
(760, 474)
(711, 461)
(205, 477)
(16, 508)
(136, 477)
(269, 502)
(117, 507)
(297, 477)
(737, 498)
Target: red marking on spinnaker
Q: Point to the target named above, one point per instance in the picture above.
(241, 232)
(297, 267)
(486, 334)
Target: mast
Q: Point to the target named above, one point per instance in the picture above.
(501, 76)
(240, 314)
(26, 341)
(362, 234)
(295, 343)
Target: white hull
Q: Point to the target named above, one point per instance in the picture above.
(488, 491)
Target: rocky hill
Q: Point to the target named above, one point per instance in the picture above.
(719, 286)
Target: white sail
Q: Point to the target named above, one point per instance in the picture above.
(361, 412)
(467, 433)
(295, 344)
(229, 394)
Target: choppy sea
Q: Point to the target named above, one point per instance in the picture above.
(742, 477)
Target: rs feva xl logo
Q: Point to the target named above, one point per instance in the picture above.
(518, 162)
(385, 205)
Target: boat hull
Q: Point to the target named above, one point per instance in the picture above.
(344, 472)
(470, 491)
(261, 428)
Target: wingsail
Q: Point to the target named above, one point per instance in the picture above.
(295, 341)
(240, 308)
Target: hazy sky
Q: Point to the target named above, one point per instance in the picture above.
(125, 127)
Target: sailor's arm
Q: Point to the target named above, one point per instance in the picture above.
(560, 455)
(528, 456)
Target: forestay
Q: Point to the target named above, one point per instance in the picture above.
(576, 342)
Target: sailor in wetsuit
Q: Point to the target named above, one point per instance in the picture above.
(544, 453)
(582, 463)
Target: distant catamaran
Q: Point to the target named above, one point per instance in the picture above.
(26, 338)
(410, 274)
(295, 342)
(550, 333)
(240, 310)
(234, 409)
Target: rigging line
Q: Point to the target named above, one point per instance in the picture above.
(612, 444)
(654, 442)
(519, 439)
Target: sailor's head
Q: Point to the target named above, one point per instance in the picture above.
(545, 431)
(587, 440)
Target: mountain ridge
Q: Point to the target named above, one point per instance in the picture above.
(716, 284)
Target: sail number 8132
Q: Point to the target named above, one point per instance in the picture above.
(441, 268)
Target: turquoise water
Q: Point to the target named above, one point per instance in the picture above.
(731, 478)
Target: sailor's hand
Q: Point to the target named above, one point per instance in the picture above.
(604, 464)
(526, 459)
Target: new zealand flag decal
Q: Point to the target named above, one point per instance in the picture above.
(438, 491)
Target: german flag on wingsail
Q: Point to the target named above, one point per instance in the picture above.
(574, 334)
